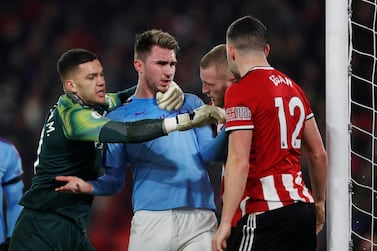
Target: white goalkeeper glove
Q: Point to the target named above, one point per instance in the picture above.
(204, 115)
(172, 99)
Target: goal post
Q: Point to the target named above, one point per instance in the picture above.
(338, 216)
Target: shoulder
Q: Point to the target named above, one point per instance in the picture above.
(112, 100)
(7, 147)
(4, 142)
(75, 115)
(238, 89)
(67, 105)
(192, 100)
(119, 112)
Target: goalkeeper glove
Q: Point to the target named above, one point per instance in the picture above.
(204, 115)
(172, 99)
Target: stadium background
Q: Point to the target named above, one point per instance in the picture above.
(34, 33)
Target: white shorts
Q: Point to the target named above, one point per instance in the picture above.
(172, 230)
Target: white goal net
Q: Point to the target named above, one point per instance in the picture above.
(363, 128)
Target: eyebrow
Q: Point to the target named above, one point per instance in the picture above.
(93, 74)
(165, 62)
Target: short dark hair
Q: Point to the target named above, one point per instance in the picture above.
(70, 59)
(247, 33)
(146, 40)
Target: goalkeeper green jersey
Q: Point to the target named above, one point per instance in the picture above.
(69, 145)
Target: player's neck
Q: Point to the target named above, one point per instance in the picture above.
(142, 91)
(252, 62)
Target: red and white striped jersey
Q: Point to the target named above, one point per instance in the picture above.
(275, 108)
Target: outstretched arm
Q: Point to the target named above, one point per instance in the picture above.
(148, 129)
(110, 183)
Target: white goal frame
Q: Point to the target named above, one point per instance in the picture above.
(338, 216)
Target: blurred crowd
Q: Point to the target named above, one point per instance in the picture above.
(34, 33)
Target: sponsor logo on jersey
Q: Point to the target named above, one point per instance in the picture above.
(238, 113)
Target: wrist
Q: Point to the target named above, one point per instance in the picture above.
(170, 125)
(319, 203)
(89, 188)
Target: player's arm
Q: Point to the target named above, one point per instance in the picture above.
(213, 149)
(110, 183)
(124, 95)
(235, 177)
(12, 186)
(13, 192)
(144, 130)
(318, 163)
(86, 124)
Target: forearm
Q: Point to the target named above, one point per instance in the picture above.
(110, 183)
(318, 162)
(132, 132)
(216, 149)
(234, 183)
(318, 176)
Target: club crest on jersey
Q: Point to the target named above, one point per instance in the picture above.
(96, 115)
(238, 113)
(99, 145)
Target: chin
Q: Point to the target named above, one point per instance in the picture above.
(163, 89)
(101, 101)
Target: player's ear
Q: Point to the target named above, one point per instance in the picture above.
(69, 85)
(138, 65)
(230, 51)
(267, 49)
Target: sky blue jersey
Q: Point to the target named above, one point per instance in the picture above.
(168, 172)
(12, 187)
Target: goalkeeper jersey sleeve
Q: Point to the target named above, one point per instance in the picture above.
(85, 123)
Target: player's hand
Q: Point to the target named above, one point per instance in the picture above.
(207, 114)
(320, 215)
(172, 99)
(204, 115)
(74, 185)
(221, 236)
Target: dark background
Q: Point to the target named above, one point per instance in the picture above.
(33, 34)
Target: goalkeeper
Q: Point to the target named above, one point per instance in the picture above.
(70, 144)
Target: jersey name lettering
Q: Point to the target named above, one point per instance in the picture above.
(276, 80)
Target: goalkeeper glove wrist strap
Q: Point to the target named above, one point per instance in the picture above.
(170, 124)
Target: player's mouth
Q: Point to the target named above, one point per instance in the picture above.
(165, 84)
(101, 93)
